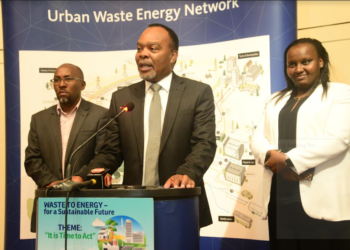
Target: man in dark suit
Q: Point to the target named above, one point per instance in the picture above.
(57, 131)
(187, 143)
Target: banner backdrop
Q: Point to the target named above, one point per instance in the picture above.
(234, 46)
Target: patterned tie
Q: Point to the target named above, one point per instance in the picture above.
(154, 134)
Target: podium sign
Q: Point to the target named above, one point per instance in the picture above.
(96, 223)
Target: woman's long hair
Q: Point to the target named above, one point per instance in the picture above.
(324, 74)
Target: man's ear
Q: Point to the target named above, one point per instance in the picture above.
(83, 85)
(173, 57)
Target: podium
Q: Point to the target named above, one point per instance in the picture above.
(175, 211)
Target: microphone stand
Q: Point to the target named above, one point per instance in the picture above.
(70, 185)
(66, 222)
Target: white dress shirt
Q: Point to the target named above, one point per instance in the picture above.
(66, 121)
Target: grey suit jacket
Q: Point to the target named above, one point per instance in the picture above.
(188, 142)
(43, 155)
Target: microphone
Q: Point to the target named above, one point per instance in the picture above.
(78, 186)
(102, 178)
(98, 178)
(84, 184)
(67, 185)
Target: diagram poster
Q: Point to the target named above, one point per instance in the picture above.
(238, 72)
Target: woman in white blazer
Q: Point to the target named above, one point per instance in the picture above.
(303, 144)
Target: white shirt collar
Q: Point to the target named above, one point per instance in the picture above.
(59, 109)
(165, 83)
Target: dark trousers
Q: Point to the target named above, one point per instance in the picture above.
(291, 228)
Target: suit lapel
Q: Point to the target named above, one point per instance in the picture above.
(55, 126)
(138, 97)
(175, 95)
(79, 119)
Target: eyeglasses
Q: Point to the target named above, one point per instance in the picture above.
(66, 80)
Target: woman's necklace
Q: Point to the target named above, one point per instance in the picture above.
(298, 99)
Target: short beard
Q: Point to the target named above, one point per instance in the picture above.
(148, 77)
(64, 100)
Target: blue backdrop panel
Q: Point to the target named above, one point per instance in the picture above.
(27, 27)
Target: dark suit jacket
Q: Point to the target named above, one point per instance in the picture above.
(188, 142)
(43, 155)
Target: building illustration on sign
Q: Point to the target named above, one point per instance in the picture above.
(109, 238)
(104, 234)
(111, 246)
(233, 148)
(235, 173)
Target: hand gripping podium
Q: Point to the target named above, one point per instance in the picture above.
(121, 218)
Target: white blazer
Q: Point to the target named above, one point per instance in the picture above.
(323, 137)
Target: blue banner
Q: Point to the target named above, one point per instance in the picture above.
(47, 33)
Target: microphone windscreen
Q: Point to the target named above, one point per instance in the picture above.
(130, 106)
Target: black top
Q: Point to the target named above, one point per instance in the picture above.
(288, 191)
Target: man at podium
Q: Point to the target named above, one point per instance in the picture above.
(169, 137)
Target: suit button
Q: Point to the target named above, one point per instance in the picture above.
(60, 170)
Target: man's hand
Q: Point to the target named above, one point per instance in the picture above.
(179, 181)
(53, 183)
(77, 179)
(74, 178)
(275, 161)
(290, 175)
